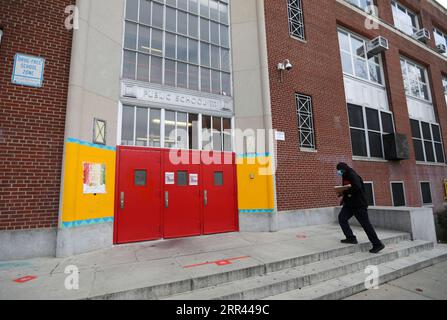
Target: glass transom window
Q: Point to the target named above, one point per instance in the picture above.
(179, 43)
(161, 128)
(355, 59)
(404, 19)
(440, 38)
(444, 84)
(365, 5)
(415, 80)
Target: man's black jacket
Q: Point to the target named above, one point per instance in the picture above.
(354, 197)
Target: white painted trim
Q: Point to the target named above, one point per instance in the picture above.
(308, 150)
(357, 158)
(119, 127)
(431, 164)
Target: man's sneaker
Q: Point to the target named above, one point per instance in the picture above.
(377, 249)
(350, 241)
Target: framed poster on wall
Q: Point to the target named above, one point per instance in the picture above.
(94, 178)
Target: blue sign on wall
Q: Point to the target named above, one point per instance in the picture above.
(28, 70)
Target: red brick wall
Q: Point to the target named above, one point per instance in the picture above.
(306, 180)
(32, 121)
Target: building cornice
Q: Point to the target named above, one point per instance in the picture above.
(438, 6)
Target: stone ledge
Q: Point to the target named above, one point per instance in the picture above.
(27, 244)
(419, 222)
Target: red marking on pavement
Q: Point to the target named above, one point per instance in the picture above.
(219, 263)
(25, 279)
(419, 290)
(301, 236)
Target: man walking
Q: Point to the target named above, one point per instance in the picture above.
(355, 204)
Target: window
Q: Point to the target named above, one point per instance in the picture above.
(398, 193)
(444, 84)
(296, 20)
(427, 142)
(140, 178)
(99, 131)
(440, 38)
(415, 80)
(218, 179)
(404, 19)
(182, 178)
(216, 134)
(426, 193)
(128, 125)
(207, 142)
(305, 121)
(143, 127)
(162, 44)
(355, 60)
(365, 5)
(369, 192)
(368, 126)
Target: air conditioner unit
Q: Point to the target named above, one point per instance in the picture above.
(376, 46)
(441, 48)
(396, 147)
(422, 35)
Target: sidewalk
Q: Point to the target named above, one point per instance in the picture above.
(133, 266)
(426, 284)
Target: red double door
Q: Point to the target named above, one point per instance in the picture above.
(168, 194)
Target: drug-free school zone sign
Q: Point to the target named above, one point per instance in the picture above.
(28, 70)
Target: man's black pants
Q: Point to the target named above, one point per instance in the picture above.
(361, 215)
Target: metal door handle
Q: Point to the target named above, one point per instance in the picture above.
(166, 199)
(122, 200)
(205, 196)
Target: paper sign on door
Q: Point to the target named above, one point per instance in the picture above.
(194, 179)
(169, 178)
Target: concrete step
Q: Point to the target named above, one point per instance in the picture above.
(222, 277)
(278, 282)
(350, 284)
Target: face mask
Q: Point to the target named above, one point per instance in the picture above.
(340, 173)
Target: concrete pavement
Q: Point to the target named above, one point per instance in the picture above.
(183, 263)
(426, 284)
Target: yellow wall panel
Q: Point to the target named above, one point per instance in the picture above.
(77, 206)
(255, 187)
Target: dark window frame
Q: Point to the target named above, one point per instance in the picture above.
(372, 193)
(421, 138)
(366, 131)
(422, 193)
(392, 193)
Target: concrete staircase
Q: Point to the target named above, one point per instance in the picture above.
(333, 274)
